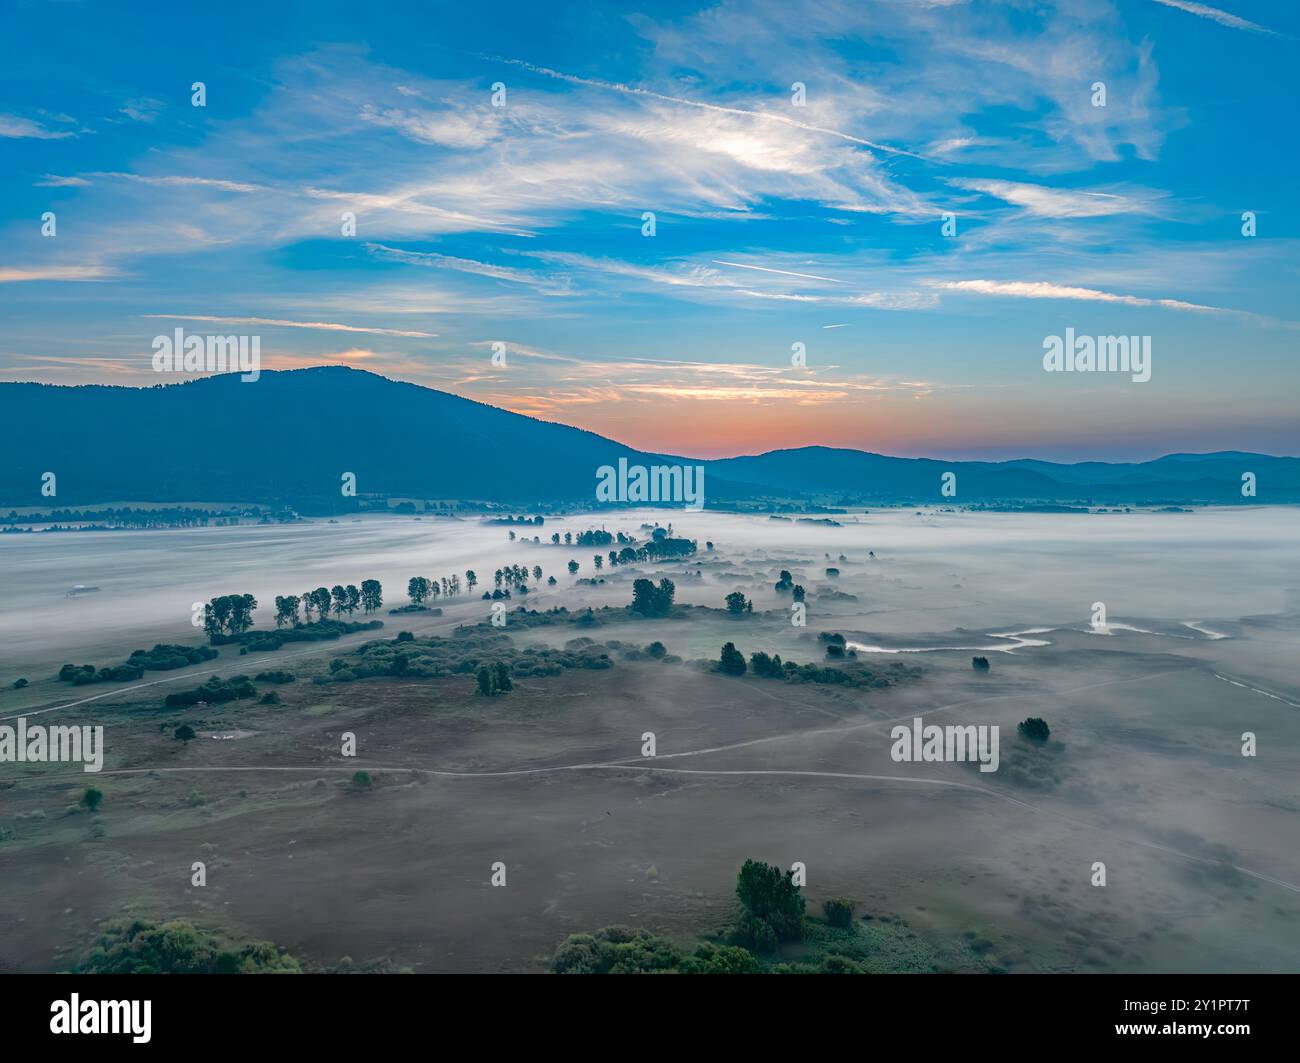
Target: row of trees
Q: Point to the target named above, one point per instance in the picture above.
(515, 576)
(339, 600)
(593, 537)
(420, 588)
(229, 614)
(660, 547)
(732, 661)
(538, 520)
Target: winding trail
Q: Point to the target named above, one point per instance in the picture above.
(631, 765)
(739, 773)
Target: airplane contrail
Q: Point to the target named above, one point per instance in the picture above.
(783, 272)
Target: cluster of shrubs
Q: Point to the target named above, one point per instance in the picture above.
(81, 674)
(852, 674)
(655, 651)
(494, 680)
(624, 950)
(164, 657)
(525, 618)
(772, 911)
(261, 641)
(838, 912)
(140, 946)
(772, 907)
(275, 677)
(1035, 729)
(464, 653)
(214, 691)
(835, 644)
(786, 585)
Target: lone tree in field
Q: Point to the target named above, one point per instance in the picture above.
(184, 732)
(1035, 729)
(573, 568)
(737, 604)
(91, 799)
(732, 661)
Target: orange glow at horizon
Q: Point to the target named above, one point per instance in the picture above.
(708, 429)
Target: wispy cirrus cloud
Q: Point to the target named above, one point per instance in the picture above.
(449, 126)
(55, 181)
(1047, 202)
(15, 127)
(1049, 290)
(757, 115)
(547, 383)
(699, 279)
(171, 181)
(318, 326)
(13, 274)
(143, 109)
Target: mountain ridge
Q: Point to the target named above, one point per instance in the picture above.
(293, 434)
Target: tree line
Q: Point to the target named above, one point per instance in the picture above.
(231, 615)
(421, 589)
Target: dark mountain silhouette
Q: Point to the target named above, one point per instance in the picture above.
(1170, 479)
(290, 436)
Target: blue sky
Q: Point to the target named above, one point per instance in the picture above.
(776, 224)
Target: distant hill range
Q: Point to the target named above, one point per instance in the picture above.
(289, 437)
